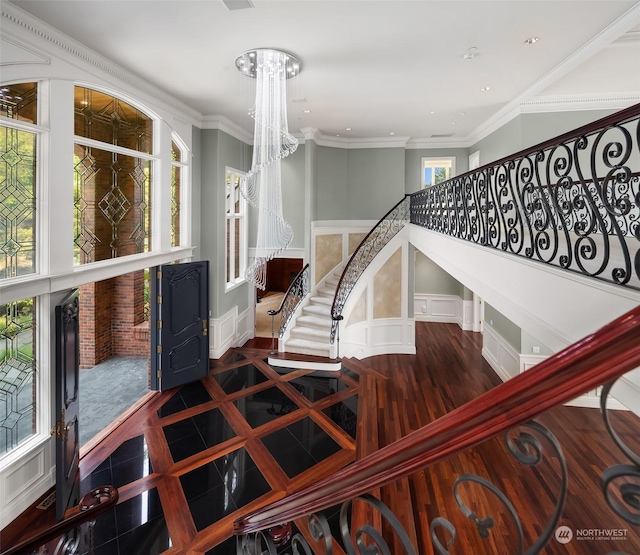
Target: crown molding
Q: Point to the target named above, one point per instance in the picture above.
(616, 101)
(420, 144)
(617, 29)
(360, 143)
(72, 51)
(229, 127)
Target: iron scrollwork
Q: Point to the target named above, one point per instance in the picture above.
(574, 205)
(628, 493)
(367, 538)
(372, 244)
(297, 291)
(528, 450)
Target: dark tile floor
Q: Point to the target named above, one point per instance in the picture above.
(223, 480)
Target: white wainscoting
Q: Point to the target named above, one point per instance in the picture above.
(428, 307)
(507, 363)
(502, 357)
(378, 337)
(230, 330)
(26, 479)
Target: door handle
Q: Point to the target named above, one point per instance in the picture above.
(205, 326)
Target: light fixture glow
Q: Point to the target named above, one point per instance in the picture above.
(531, 40)
(485, 89)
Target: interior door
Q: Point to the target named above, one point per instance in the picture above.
(179, 324)
(66, 426)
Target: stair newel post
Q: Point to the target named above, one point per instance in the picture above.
(338, 319)
(273, 313)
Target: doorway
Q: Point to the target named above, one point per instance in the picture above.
(280, 273)
(114, 349)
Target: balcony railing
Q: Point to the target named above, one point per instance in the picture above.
(571, 202)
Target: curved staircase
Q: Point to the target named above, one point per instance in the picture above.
(312, 330)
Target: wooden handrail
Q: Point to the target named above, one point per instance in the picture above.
(94, 503)
(599, 358)
(291, 286)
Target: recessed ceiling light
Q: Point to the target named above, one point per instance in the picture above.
(432, 112)
(463, 113)
(453, 123)
(348, 129)
(485, 89)
(337, 134)
(307, 111)
(392, 133)
(531, 40)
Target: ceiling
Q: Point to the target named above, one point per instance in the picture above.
(371, 69)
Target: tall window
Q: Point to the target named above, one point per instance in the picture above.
(236, 232)
(177, 170)
(18, 180)
(437, 170)
(17, 373)
(112, 188)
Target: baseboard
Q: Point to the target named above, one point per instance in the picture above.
(451, 309)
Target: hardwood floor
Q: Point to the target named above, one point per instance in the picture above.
(179, 456)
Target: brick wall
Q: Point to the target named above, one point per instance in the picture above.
(112, 319)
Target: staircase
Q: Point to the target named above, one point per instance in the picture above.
(311, 333)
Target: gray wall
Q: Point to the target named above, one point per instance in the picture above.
(358, 184)
(503, 326)
(431, 278)
(218, 151)
(196, 192)
(528, 130)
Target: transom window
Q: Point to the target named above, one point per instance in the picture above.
(437, 170)
(235, 230)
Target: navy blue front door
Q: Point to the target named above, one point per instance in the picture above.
(66, 427)
(179, 324)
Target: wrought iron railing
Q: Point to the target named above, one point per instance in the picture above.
(571, 202)
(388, 226)
(297, 291)
(601, 358)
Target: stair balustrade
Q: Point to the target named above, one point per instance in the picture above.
(572, 202)
(296, 292)
(388, 226)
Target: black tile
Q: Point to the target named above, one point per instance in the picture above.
(151, 538)
(240, 378)
(180, 430)
(189, 395)
(294, 460)
(186, 446)
(173, 405)
(213, 427)
(194, 394)
(210, 507)
(314, 388)
(248, 487)
(137, 511)
(227, 547)
(130, 471)
(279, 440)
(264, 406)
(314, 439)
(132, 448)
(104, 534)
(344, 414)
(200, 480)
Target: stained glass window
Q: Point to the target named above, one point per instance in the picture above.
(176, 180)
(17, 373)
(17, 202)
(235, 231)
(19, 101)
(112, 189)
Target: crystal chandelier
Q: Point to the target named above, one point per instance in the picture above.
(272, 142)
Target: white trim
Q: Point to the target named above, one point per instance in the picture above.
(500, 355)
(227, 126)
(230, 330)
(339, 226)
(29, 475)
(431, 307)
(546, 104)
